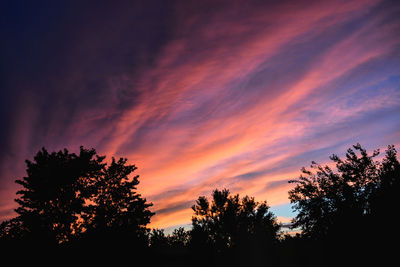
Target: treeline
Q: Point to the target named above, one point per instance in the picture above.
(77, 209)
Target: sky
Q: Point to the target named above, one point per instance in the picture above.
(198, 95)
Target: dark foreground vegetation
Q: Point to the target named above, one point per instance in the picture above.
(76, 209)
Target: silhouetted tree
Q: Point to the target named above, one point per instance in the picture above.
(171, 249)
(384, 199)
(117, 214)
(78, 200)
(158, 240)
(179, 238)
(341, 208)
(232, 228)
(54, 193)
(10, 232)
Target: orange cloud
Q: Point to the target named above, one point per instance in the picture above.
(241, 99)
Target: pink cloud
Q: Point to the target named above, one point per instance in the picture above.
(200, 114)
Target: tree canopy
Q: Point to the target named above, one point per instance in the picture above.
(90, 205)
(230, 224)
(67, 196)
(345, 207)
(326, 199)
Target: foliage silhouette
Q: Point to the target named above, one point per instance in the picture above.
(117, 215)
(76, 201)
(54, 194)
(77, 204)
(230, 227)
(179, 238)
(171, 249)
(342, 210)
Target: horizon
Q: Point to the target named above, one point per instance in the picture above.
(199, 96)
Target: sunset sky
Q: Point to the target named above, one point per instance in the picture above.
(198, 94)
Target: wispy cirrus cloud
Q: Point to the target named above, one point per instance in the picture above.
(223, 94)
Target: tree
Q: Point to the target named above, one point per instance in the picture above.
(177, 240)
(117, 211)
(344, 208)
(384, 199)
(54, 193)
(233, 227)
(158, 240)
(325, 199)
(170, 249)
(70, 199)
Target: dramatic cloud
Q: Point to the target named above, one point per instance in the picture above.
(201, 94)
